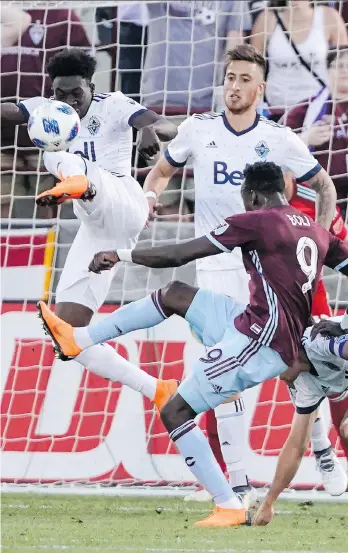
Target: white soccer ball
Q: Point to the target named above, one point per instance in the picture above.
(53, 126)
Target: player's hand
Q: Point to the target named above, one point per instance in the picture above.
(317, 134)
(264, 515)
(154, 206)
(148, 143)
(326, 327)
(103, 261)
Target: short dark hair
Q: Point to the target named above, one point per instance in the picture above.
(71, 62)
(265, 177)
(245, 52)
(334, 53)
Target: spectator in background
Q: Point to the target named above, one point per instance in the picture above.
(26, 48)
(133, 20)
(297, 35)
(323, 123)
(186, 42)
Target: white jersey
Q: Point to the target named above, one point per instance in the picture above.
(219, 155)
(106, 130)
(328, 376)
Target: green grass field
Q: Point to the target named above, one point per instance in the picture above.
(97, 524)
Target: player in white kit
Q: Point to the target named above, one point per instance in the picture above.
(324, 373)
(220, 145)
(96, 174)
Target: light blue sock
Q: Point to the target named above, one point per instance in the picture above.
(143, 313)
(199, 458)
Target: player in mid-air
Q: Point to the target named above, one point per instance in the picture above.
(96, 174)
(220, 145)
(323, 367)
(284, 252)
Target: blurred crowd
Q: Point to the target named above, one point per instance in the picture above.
(169, 56)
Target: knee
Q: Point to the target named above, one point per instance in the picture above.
(176, 412)
(344, 429)
(172, 294)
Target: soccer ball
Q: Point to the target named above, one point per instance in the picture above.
(53, 126)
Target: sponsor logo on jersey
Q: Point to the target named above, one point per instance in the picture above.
(211, 144)
(222, 176)
(262, 149)
(93, 125)
(217, 389)
(325, 389)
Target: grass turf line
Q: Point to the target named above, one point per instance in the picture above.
(97, 524)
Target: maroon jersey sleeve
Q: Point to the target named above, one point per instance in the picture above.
(295, 117)
(237, 231)
(337, 255)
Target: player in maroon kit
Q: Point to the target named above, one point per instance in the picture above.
(284, 252)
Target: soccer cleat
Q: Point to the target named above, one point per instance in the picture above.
(247, 495)
(198, 495)
(224, 518)
(165, 389)
(76, 187)
(333, 476)
(61, 333)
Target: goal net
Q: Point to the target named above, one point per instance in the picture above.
(63, 427)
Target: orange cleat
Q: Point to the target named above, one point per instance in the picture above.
(222, 518)
(77, 187)
(165, 389)
(61, 333)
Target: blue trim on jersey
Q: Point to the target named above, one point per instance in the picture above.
(172, 161)
(239, 133)
(340, 348)
(341, 265)
(135, 115)
(23, 110)
(310, 173)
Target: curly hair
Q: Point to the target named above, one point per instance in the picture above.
(71, 62)
(265, 177)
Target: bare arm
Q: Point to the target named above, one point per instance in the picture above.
(262, 30)
(157, 181)
(14, 22)
(288, 463)
(163, 256)
(337, 29)
(11, 113)
(164, 129)
(326, 198)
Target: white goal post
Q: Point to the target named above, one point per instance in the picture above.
(65, 430)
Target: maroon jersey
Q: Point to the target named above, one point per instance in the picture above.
(23, 65)
(283, 251)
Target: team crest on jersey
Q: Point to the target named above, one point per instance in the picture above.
(262, 149)
(36, 32)
(93, 125)
(221, 229)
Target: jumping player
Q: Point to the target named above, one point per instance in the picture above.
(96, 174)
(284, 252)
(323, 363)
(220, 145)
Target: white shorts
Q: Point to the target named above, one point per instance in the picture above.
(112, 220)
(231, 282)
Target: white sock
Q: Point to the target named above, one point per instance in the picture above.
(231, 431)
(103, 360)
(64, 163)
(82, 337)
(319, 437)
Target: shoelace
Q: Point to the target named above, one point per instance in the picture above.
(326, 463)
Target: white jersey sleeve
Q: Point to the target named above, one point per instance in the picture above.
(299, 159)
(326, 346)
(123, 110)
(180, 148)
(28, 106)
(307, 397)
